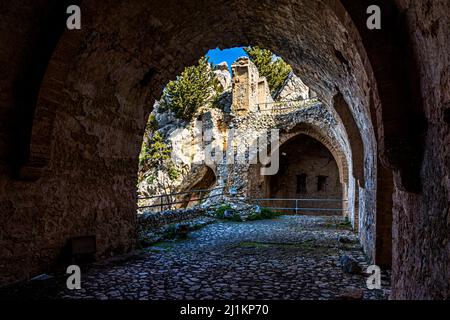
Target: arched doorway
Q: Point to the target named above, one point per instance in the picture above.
(199, 189)
(88, 121)
(308, 172)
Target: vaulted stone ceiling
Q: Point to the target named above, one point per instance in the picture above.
(74, 104)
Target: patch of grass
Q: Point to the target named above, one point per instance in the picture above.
(265, 214)
(236, 217)
(254, 216)
(253, 245)
(346, 224)
(220, 211)
(164, 245)
(173, 173)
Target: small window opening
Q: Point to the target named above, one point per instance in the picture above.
(322, 183)
(301, 183)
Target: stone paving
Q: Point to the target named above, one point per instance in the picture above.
(292, 257)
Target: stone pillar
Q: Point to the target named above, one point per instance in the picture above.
(245, 86)
(263, 91)
(383, 235)
(356, 208)
(345, 204)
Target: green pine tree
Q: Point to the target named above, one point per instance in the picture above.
(191, 90)
(154, 152)
(275, 69)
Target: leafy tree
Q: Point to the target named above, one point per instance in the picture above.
(275, 69)
(154, 152)
(152, 124)
(196, 86)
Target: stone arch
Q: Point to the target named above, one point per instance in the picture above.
(301, 154)
(331, 144)
(37, 156)
(347, 14)
(354, 137)
(373, 58)
(108, 89)
(342, 157)
(206, 179)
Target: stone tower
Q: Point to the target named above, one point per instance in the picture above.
(249, 89)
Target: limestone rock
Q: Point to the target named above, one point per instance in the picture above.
(350, 265)
(351, 293)
(223, 75)
(293, 89)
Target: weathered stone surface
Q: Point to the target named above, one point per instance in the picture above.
(154, 220)
(68, 164)
(153, 228)
(292, 258)
(351, 294)
(421, 246)
(293, 89)
(349, 265)
(223, 75)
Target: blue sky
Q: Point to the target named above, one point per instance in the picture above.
(217, 56)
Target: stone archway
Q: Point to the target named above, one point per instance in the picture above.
(334, 141)
(308, 170)
(99, 134)
(205, 181)
(99, 84)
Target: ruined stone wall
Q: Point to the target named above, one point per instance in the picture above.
(154, 220)
(84, 181)
(315, 121)
(293, 89)
(188, 143)
(245, 86)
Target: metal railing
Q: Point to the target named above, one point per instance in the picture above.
(203, 194)
(297, 208)
(173, 198)
(286, 106)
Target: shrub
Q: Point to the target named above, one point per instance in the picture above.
(254, 216)
(171, 232)
(152, 124)
(150, 179)
(220, 212)
(269, 214)
(263, 215)
(173, 173)
(346, 224)
(236, 217)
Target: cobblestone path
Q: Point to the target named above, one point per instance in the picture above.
(292, 257)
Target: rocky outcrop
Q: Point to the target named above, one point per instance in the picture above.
(223, 75)
(293, 89)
